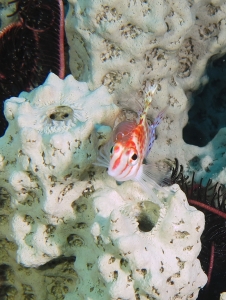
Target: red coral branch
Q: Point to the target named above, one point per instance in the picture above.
(61, 41)
(207, 207)
(210, 264)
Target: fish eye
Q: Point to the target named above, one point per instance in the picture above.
(133, 159)
(134, 156)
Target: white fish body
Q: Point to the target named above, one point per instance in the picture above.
(130, 144)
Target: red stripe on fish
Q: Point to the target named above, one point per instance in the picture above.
(132, 142)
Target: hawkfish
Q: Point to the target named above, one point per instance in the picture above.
(128, 148)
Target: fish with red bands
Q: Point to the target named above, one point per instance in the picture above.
(129, 145)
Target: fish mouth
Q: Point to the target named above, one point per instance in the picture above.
(112, 174)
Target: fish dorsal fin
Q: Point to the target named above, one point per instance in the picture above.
(124, 130)
(152, 128)
(148, 97)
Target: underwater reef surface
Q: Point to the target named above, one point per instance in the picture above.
(122, 46)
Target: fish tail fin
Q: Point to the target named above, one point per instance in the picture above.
(149, 92)
(152, 177)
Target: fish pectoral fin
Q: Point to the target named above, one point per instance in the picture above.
(158, 173)
(103, 157)
(150, 177)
